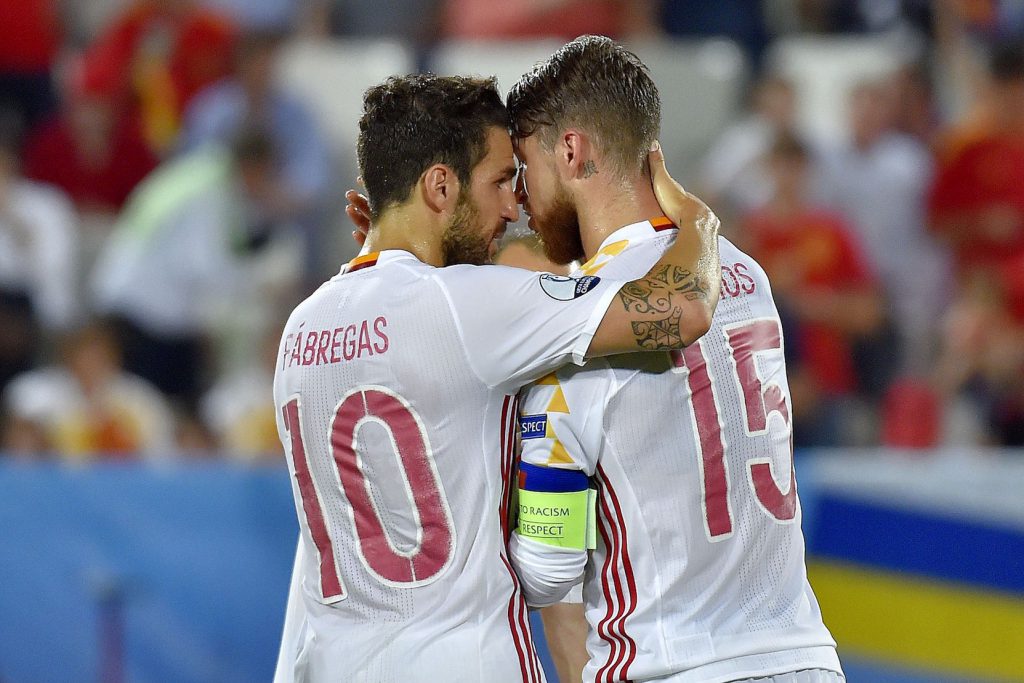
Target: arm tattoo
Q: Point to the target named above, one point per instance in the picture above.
(655, 301)
(589, 168)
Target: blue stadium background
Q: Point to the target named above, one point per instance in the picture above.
(180, 573)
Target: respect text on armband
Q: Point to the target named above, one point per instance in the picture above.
(533, 426)
(537, 530)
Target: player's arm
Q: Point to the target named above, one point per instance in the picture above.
(559, 426)
(555, 529)
(672, 305)
(565, 630)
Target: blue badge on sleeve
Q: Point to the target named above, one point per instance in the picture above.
(533, 426)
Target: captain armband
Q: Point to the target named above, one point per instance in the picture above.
(557, 507)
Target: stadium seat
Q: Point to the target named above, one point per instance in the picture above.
(506, 60)
(332, 75)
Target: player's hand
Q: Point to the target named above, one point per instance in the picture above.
(681, 207)
(358, 210)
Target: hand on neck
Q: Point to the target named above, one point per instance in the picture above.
(609, 203)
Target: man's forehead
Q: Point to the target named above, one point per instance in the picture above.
(520, 146)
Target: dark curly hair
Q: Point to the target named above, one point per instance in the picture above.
(410, 123)
(597, 85)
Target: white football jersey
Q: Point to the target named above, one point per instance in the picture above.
(699, 569)
(396, 389)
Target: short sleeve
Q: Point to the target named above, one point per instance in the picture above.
(561, 417)
(518, 325)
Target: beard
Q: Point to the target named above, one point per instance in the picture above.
(462, 242)
(559, 230)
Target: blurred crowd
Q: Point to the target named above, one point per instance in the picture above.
(165, 200)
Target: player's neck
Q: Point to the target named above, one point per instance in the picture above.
(405, 229)
(605, 210)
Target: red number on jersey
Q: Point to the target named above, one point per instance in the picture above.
(331, 586)
(435, 532)
(745, 341)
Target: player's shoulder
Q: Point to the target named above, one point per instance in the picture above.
(744, 282)
(480, 275)
(500, 287)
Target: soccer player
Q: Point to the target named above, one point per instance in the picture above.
(697, 570)
(396, 387)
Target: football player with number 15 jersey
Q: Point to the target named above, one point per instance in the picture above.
(697, 567)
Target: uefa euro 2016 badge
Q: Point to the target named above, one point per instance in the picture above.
(565, 288)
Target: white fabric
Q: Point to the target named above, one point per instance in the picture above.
(443, 342)
(38, 248)
(804, 676)
(547, 572)
(663, 596)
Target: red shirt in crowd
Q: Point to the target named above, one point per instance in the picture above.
(158, 58)
(565, 20)
(812, 251)
(29, 35)
(52, 155)
(984, 174)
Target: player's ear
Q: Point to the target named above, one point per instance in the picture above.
(440, 187)
(573, 152)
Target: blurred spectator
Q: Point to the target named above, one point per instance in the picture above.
(878, 181)
(734, 176)
(852, 16)
(739, 20)
(990, 20)
(155, 57)
(239, 410)
(176, 263)
(30, 36)
(252, 99)
(87, 406)
(415, 21)
(90, 150)
(878, 16)
(825, 292)
(916, 109)
(263, 15)
(37, 264)
(977, 199)
(981, 369)
(564, 19)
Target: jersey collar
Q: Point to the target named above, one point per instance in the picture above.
(375, 258)
(616, 242)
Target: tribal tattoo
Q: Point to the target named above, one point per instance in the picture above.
(658, 294)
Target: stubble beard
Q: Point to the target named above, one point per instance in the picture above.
(559, 230)
(462, 242)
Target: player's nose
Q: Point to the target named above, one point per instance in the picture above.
(510, 207)
(511, 212)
